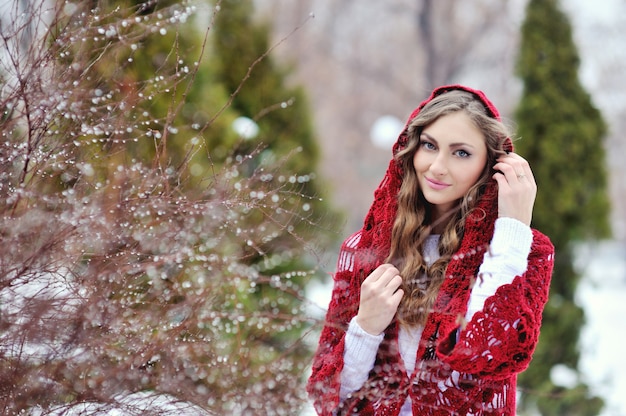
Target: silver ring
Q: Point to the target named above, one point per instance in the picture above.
(521, 176)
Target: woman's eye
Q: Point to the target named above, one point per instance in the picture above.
(462, 153)
(428, 145)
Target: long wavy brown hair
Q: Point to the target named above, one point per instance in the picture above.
(413, 222)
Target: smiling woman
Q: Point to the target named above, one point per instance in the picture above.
(409, 330)
(450, 158)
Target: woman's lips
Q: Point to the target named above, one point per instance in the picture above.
(436, 184)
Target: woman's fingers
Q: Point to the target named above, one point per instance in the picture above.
(515, 168)
(380, 271)
(385, 279)
(516, 188)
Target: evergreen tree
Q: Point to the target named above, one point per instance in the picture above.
(261, 92)
(562, 138)
(162, 78)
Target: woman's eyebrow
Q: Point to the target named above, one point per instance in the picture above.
(461, 144)
(429, 137)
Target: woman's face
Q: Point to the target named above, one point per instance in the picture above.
(449, 160)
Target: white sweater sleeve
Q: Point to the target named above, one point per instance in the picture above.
(506, 259)
(358, 358)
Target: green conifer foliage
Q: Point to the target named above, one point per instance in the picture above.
(280, 109)
(562, 137)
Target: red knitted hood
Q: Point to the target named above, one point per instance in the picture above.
(376, 232)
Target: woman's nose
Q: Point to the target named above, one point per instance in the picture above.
(439, 165)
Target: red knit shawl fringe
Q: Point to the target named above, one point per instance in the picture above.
(494, 346)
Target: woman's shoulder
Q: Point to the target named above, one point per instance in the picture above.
(352, 242)
(345, 262)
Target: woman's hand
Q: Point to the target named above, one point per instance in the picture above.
(380, 297)
(516, 188)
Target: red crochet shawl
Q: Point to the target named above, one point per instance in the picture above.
(462, 370)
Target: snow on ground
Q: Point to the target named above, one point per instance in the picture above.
(602, 294)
